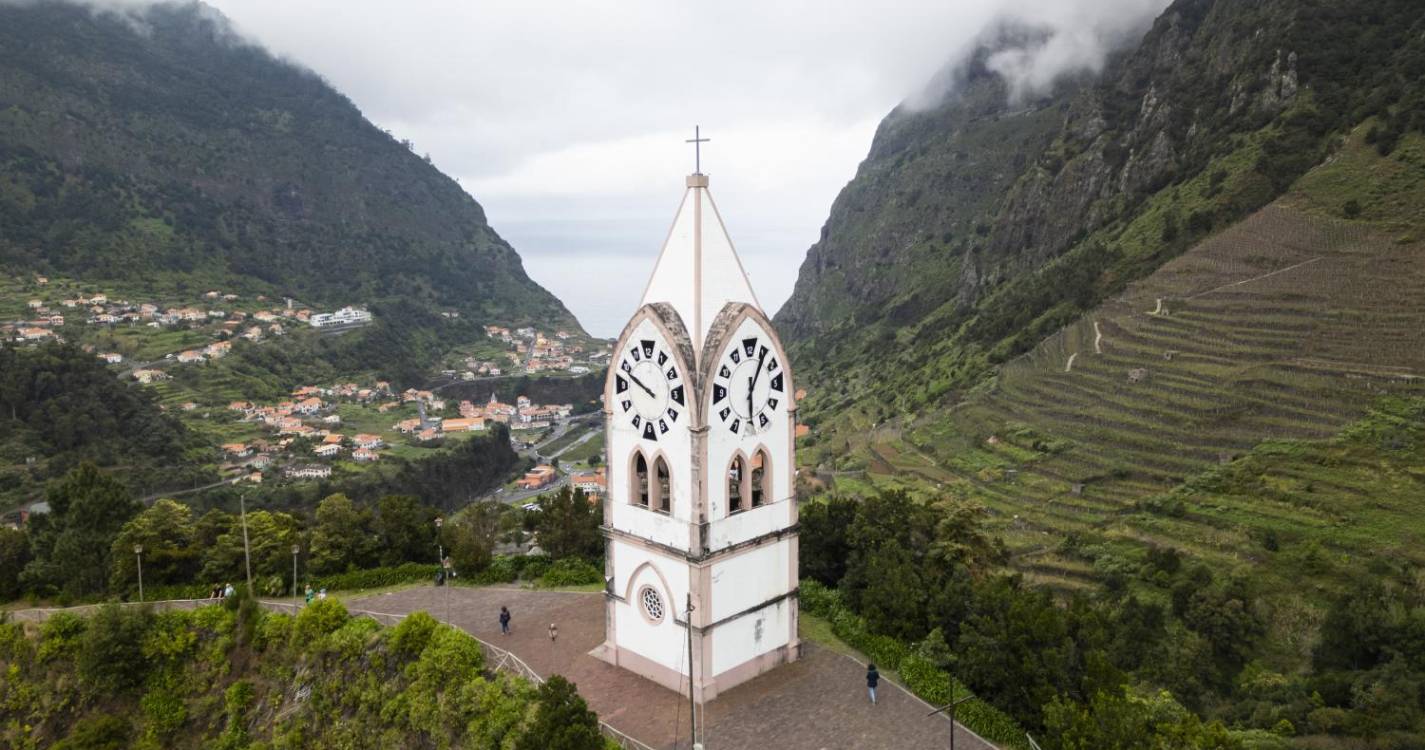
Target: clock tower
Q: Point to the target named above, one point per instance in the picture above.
(700, 517)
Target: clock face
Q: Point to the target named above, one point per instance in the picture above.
(649, 389)
(748, 386)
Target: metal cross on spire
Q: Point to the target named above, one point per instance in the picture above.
(697, 142)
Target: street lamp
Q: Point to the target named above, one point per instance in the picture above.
(950, 707)
(138, 557)
(439, 547)
(296, 595)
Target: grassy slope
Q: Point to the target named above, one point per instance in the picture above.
(1295, 355)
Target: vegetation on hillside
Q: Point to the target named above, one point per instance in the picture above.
(1135, 664)
(232, 676)
(84, 548)
(60, 406)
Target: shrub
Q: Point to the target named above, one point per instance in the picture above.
(316, 621)
(411, 635)
(275, 630)
(562, 722)
(572, 571)
(352, 638)
(60, 636)
(112, 654)
(97, 733)
(376, 577)
(500, 570)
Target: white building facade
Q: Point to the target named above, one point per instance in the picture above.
(700, 510)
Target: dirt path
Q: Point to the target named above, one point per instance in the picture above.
(1069, 366)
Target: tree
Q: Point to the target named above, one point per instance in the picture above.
(165, 530)
(111, 656)
(271, 536)
(562, 720)
(72, 543)
(406, 530)
(825, 544)
(470, 538)
(342, 538)
(568, 525)
(14, 555)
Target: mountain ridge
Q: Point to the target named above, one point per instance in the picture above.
(158, 146)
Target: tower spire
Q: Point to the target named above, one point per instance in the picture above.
(698, 271)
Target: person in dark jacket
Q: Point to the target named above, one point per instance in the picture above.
(505, 620)
(872, 678)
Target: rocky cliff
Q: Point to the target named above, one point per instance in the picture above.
(978, 226)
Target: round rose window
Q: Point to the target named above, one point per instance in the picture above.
(652, 604)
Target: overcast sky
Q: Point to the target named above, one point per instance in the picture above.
(566, 119)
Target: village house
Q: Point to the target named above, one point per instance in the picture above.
(407, 426)
(327, 450)
(590, 482)
(331, 419)
(308, 406)
(112, 358)
(308, 471)
(538, 478)
(334, 438)
(149, 376)
(368, 441)
(237, 450)
(365, 455)
(218, 349)
(429, 435)
(464, 424)
(35, 334)
(192, 355)
(260, 461)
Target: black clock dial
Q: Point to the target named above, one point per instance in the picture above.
(649, 388)
(748, 386)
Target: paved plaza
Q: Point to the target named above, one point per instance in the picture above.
(818, 702)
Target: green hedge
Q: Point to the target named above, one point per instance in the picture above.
(372, 578)
(920, 676)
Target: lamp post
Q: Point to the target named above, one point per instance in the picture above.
(439, 546)
(138, 558)
(951, 708)
(296, 595)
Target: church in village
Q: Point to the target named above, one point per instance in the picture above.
(701, 514)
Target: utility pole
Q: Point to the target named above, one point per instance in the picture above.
(296, 595)
(138, 556)
(246, 548)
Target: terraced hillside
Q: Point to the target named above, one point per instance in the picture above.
(1289, 325)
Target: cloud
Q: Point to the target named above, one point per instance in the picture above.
(556, 112)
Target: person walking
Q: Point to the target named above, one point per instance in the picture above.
(505, 620)
(553, 632)
(310, 593)
(872, 678)
(229, 591)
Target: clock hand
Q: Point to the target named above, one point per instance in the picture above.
(645, 388)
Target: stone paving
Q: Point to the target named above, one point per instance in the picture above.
(818, 702)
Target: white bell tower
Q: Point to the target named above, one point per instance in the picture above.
(701, 507)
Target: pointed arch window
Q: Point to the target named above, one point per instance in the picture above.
(639, 492)
(736, 485)
(761, 479)
(663, 486)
